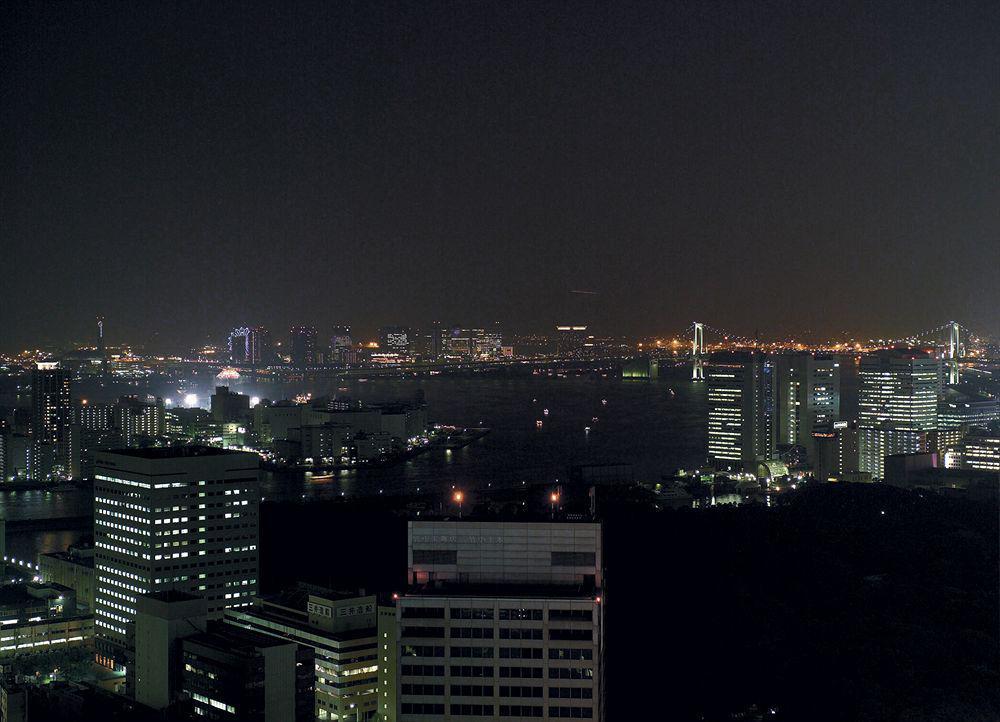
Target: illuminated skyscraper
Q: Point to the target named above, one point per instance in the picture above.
(342, 345)
(741, 398)
(54, 443)
(171, 518)
(394, 339)
(807, 397)
(138, 419)
(303, 345)
(980, 450)
(898, 405)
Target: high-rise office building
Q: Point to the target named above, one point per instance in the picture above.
(898, 405)
(217, 670)
(394, 339)
(16, 455)
(964, 406)
(250, 345)
(502, 620)
(95, 416)
(171, 518)
(303, 345)
(54, 443)
(461, 342)
(807, 397)
(354, 638)
(139, 418)
(435, 345)
(979, 450)
(342, 345)
(961, 409)
(229, 406)
(741, 400)
(247, 676)
(490, 341)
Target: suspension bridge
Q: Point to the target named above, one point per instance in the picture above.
(951, 336)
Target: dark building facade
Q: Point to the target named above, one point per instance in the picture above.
(235, 674)
(54, 442)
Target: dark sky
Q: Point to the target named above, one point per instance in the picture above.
(183, 168)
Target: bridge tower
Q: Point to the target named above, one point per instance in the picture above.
(954, 352)
(698, 353)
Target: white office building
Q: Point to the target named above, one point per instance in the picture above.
(502, 620)
(171, 519)
(898, 405)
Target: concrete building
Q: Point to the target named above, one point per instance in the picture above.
(807, 397)
(328, 441)
(178, 518)
(960, 406)
(162, 620)
(354, 640)
(342, 345)
(54, 445)
(302, 344)
(235, 674)
(139, 418)
(979, 451)
(835, 450)
(40, 618)
(394, 340)
(502, 620)
(95, 416)
(228, 406)
(74, 569)
(14, 703)
(898, 405)
(16, 455)
(741, 400)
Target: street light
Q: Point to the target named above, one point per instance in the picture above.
(459, 497)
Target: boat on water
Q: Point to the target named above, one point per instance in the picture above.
(458, 438)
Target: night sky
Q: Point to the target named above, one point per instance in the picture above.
(781, 167)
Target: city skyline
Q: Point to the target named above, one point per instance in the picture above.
(283, 336)
(185, 168)
(441, 361)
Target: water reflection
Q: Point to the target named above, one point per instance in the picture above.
(656, 426)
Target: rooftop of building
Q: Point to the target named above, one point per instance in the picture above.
(31, 593)
(297, 597)
(902, 352)
(231, 639)
(964, 393)
(497, 514)
(300, 622)
(83, 560)
(175, 452)
(511, 591)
